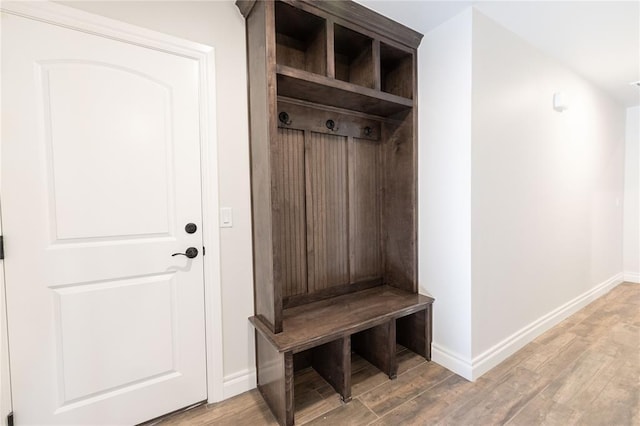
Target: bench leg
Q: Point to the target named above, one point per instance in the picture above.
(333, 362)
(275, 379)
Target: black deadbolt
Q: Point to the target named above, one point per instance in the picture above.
(190, 228)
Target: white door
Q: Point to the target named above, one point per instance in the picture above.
(100, 175)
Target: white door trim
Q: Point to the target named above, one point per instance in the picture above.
(95, 24)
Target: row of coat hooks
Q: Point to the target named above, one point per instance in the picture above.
(330, 124)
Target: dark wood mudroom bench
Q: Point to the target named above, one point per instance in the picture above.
(322, 334)
(334, 193)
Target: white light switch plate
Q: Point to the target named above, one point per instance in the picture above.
(226, 217)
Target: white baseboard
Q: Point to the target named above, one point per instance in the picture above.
(471, 370)
(501, 351)
(632, 277)
(237, 383)
(451, 361)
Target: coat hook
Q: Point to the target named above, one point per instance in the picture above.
(284, 118)
(331, 125)
(367, 131)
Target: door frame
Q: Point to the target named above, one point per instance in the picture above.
(204, 55)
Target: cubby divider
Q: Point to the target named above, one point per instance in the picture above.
(333, 362)
(378, 346)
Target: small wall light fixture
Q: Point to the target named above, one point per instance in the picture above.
(560, 101)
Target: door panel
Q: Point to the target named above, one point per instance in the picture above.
(100, 173)
(87, 330)
(125, 128)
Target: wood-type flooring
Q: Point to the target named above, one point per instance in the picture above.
(584, 371)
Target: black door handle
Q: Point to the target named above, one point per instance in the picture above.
(191, 252)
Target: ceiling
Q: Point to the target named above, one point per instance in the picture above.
(599, 40)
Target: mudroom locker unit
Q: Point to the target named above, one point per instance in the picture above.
(333, 128)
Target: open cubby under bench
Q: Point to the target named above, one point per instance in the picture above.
(323, 334)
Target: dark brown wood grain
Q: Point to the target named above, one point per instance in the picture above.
(289, 388)
(327, 206)
(275, 379)
(328, 293)
(316, 56)
(400, 205)
(327, 214)
(375, 52)
(302, 360)
(301, 40)
(396, 71)
(429, 331)
(316, 88)
(353, 57)
(352, 13)
(262, 91)
(333, 362)
(365, 196)
(334, 207)
(413, 332)
(270, 50)
(290, 219)
(331, 64)
(338, 110)
(319, 322)
(378, 346)
(311, 118)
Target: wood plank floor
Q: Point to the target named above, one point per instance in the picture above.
(584, 371)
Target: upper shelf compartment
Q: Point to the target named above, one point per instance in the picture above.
(324, 62)
(353, 57)
(306, 86)
(301, 39)
(396, 71)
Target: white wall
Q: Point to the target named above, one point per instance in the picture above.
(218, 24)
(546, 211)
(520, 205)
(445, 186)
(631, 244)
